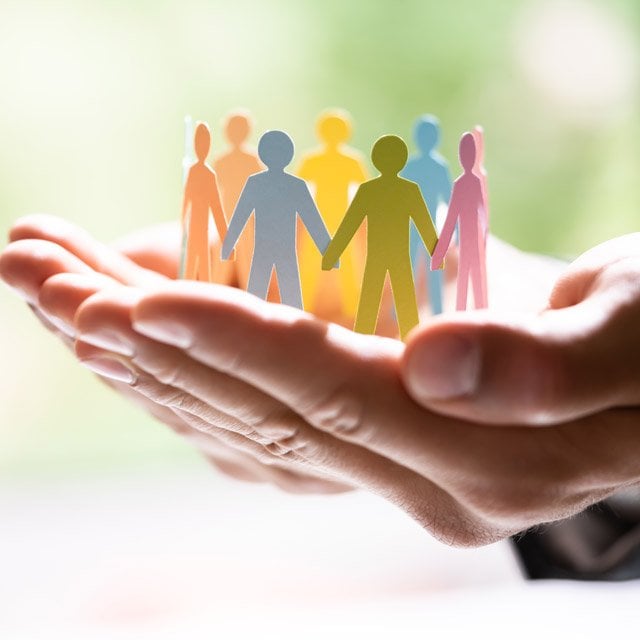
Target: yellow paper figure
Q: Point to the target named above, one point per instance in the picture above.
(388, 204)
(200, 197)
(233, 167)
(332, 170)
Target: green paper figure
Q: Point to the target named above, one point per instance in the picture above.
(388, 203)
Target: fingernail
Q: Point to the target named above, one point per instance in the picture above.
(444, 368)
(110, 368)
(165, 331)
(109, 340)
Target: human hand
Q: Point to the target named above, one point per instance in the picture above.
(578, 356)
(316, 396)
(55, 266)
(454, 511)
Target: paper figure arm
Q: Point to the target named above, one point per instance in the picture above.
(437, 258)
(347, 229)
(423, 221)
(310, 216)
(239, 219)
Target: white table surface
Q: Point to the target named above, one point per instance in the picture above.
(192, 555)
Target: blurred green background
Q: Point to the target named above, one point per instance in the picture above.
(92, 100)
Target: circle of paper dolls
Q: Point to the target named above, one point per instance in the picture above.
(328, 226)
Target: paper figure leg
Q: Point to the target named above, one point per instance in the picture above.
(370, 298)
(310, 270)
(478, 288)
(289, 284)
(191, 264)
(483, 270)
(198, 263)
(404, 297)
(260, 276)
(462, 286)
(415, 244)
(348, 283)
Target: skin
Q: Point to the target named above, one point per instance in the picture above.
(276, 390)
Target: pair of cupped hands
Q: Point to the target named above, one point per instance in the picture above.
(483, 424)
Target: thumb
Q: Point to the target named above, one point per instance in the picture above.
(544, 369)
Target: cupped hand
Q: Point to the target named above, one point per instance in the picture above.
(290, 390)
(319, 397)
(56, 266)
(578, 356)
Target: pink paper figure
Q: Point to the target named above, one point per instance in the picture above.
(481, 172)
(466, 208)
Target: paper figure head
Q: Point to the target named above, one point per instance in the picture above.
(275, 150)
(426, 133)
(478, 136)
(334, 127)
(202, 141)
(237, 127)
(389, 155)
(467, 151)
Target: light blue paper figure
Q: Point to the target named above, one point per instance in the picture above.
(431, 171)
(276, 198)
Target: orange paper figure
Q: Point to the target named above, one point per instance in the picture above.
(332, 170)
(233, 167)
(481, 172)
(388, 204)
(201, 197)
(467, 209)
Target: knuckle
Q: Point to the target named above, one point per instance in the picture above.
(277, 426)
(341, 412)
(168, 373)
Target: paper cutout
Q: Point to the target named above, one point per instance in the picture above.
(201, 196)
(188, 158)
(332, 170)
(276, 199)
(388, 203)
(431, 172)
(467, 209)
(481, 172)
(232, 168)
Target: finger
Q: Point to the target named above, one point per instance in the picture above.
(344, 384)
(293, 439)
(26, 264)
(209, 424)
(62, 294)
(97, 256)
(239, 462)
(538, 370)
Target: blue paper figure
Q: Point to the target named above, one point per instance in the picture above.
(276, 198)
(431, 171)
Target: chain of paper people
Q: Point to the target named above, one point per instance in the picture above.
(268, 206)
